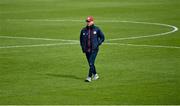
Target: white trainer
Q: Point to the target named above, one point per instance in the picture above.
(96, 76)
(88, 79)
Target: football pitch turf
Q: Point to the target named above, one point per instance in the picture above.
(41, 61)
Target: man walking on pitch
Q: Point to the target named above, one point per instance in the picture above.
(91, 37)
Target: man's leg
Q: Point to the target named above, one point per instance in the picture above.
(92, 59)
(88, 59)
(92, 69)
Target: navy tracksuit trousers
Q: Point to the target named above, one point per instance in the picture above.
(91, 57)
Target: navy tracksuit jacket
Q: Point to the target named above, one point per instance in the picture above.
(90, 39)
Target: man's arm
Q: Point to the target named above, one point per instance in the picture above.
(81, 41)
(101, 37)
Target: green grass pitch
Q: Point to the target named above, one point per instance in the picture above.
(132, 71)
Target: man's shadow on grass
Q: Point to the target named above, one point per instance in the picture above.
(64, 76)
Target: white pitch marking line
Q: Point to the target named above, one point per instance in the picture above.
(115, 21)
(76, 41)
(55, 20)
(153, 35)
(152, 46)
(48, 39)
(56, 44)
(38, 45)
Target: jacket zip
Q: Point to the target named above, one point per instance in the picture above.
(89, 40)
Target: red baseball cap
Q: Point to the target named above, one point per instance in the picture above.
(89, 19)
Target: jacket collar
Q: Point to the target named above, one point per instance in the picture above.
(90, 27)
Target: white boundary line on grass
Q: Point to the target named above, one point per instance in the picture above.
(57, 44)
(152, 35)
(107, 21)
(76, 41)
(141, 45)
(30, 38)
(38, 45)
